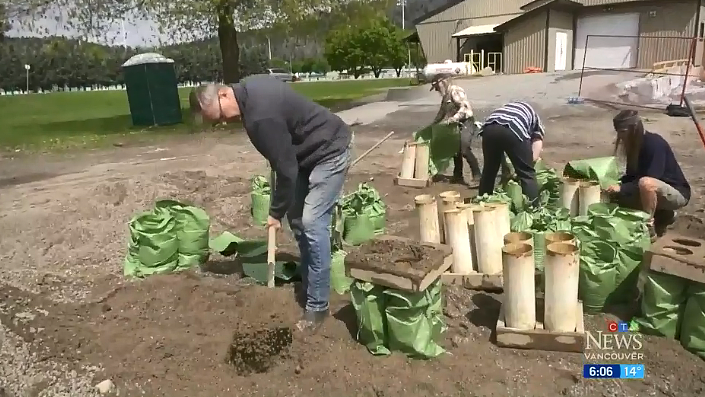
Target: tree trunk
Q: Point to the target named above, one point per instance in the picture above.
(376, 72)
(227, 38)
(398, 71)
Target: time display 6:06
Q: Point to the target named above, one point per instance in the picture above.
(613, 371)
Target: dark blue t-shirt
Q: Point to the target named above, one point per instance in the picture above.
(656, 160)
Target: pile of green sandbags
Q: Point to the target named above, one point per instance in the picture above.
(444, 143)
(391, 320)
(171, 237)
(613, 241)
(260, 197)
(362, 215)
(673, 307)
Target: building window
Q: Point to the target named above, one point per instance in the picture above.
(701, 33)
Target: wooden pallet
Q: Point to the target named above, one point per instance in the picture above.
(678, 256)
(540, 338)
(400, 282)
(474, 281)
(412, 182)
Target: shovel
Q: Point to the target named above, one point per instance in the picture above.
(271, 254)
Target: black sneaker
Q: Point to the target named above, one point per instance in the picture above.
(311, 322)
(457, 180)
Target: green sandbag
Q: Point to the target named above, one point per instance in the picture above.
(379, 222)
(662, 305)
(692, 334)
(415, 321)
(369, 302)
(598, 274)
(252, 256)
(444, 144)
(358, 229)
(603, 170)
(260, 199)
(365, 200)
(193, 225)
(153, 247)
(516, 196)
(339, 282)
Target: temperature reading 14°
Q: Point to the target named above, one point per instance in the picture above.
(632, 371)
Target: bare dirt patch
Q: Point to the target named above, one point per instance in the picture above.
(69, 319)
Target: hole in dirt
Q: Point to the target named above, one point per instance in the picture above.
(686, 242)
(256, 351)
(677, 250)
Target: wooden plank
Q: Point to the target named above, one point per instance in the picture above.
(399, 282)
(412, 182)
(540, 338)
(474, 281)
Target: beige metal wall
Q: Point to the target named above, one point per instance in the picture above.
(660, 19)
(525, 44)
(560, 21)
(435, 33)
(436, 40)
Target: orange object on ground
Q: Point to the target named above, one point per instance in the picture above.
(533, 69)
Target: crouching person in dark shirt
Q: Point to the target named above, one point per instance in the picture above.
(309, 149)
(653, 182)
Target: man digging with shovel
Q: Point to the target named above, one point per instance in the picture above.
(308, 147)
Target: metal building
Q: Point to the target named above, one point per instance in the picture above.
(551, 35)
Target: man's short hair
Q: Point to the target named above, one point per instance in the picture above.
(202, 97)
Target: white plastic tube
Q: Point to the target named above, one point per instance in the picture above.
(562, 269)
(519, 301)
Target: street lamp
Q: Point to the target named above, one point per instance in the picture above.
(26, 68)
(402, 4)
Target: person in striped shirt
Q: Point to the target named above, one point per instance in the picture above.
(455, 108)
(514, 130)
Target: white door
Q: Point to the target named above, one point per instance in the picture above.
(561, 51)
(609, 50)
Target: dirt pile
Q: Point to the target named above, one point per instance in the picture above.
(396, 256)
(257, 350)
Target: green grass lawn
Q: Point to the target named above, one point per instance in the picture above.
(87, 119)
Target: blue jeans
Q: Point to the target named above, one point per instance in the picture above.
(317, 192)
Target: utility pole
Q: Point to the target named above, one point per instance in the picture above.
(402, 3)
(269, 49)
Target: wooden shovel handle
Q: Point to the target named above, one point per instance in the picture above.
(271, 255)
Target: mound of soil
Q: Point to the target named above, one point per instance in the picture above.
(257, 350)
(397, 256)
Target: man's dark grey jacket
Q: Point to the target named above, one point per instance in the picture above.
(292, 132)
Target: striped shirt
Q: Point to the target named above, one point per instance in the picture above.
(519, 117)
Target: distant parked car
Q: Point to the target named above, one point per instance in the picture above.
(281, 74)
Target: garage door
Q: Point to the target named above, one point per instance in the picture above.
(607, 52)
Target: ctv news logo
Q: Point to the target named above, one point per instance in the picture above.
(617, 343)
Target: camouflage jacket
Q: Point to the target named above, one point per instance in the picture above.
(455, 106)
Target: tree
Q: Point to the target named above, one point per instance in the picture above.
(398, 51)
(4, 21)
(374, 44)
(343, 51)
(185, 20)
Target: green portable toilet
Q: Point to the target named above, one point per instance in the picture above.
(152, 90)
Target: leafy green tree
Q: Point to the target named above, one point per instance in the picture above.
(343, 51)
(374, 45)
